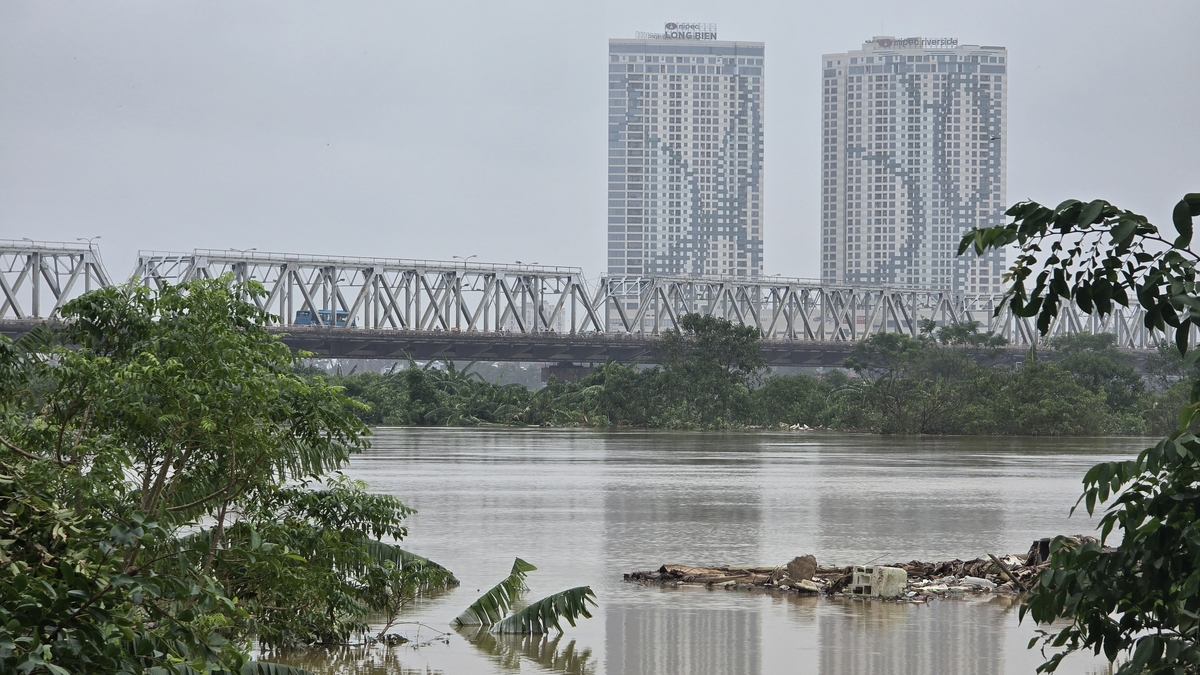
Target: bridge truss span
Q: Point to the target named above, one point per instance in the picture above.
(801, 309)
(381, 305)
(37, 278)
(380, 293)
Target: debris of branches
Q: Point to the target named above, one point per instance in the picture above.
(922, 580)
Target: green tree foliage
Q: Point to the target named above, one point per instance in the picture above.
(704, 382)
(167, 492)
(912, 384)
(1096, 364)
(796, 399)
(943, 382)
(709, 365)
(1140, 599)
(948, 380)
(1040, 399)
(1170, 374)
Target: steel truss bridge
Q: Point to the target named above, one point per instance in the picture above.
(391, 309)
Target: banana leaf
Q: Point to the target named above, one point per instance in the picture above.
(544, 614)
(39, 340)
(494, 604)
(384, 551)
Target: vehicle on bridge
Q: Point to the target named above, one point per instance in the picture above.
(323, 317)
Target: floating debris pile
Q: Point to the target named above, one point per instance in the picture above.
(915, 580)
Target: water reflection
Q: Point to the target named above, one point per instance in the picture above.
(356, 660)
(586, 506)
(641, 639)
(697, 514)
(887, 638)
(906, 522)
(549, 652)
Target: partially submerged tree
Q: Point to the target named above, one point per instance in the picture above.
(1143, 598)
(491, 607)
(490, 610)
(168, 492)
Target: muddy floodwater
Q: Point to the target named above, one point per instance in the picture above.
(586, 506)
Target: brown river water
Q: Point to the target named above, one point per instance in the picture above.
(586, 506)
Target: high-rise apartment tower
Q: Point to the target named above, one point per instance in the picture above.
(685, 125)
(913, 156)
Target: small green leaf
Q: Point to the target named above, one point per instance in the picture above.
(1091, 213)
(1123, 231)
(1182, 217)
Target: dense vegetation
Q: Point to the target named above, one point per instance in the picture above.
(169, 493)
(946, 381)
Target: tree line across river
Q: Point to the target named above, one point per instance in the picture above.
(948, 380)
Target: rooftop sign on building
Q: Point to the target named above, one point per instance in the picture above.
(915, 43)
(682, 31)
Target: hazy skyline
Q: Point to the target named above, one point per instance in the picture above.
(431, 130)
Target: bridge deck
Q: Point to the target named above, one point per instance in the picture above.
(547, 347)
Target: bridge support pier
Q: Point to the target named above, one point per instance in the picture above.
(566, 372)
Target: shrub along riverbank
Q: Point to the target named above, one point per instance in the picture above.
(946, 381)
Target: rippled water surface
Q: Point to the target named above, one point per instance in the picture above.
(587, 506)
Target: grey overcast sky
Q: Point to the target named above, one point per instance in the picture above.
(427, 130)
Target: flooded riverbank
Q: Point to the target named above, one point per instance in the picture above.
(585, 506)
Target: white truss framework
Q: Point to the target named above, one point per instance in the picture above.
(425, 295)
(37, 278)
(394, 294)
(799, 309)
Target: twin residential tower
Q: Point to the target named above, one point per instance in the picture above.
(912, 157)
(685, 124)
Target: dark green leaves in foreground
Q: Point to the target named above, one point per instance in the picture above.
(1142, 598)
(1138, 604)
(1098, 256)
(169, 493)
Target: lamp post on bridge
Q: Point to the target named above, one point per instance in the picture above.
(87, 276)
(241, 267)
